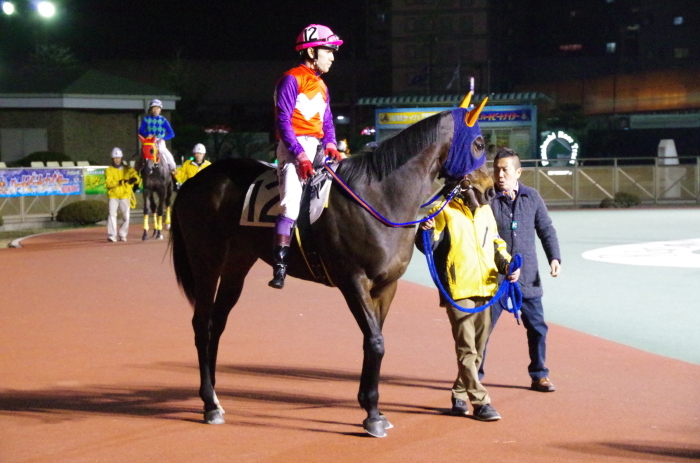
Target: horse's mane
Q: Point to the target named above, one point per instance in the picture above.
(393, 152)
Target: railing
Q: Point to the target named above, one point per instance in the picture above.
(584, 184)
(28, 209)
(589, 181)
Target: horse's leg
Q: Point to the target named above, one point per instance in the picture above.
(168, 201)
(370, 312)
(230, 287)
(146, 195)
(159, 214)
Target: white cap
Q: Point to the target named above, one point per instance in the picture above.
(117, 153)
(199, 148)
(155, 102)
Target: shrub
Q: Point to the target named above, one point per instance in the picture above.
(85, 212)
(42, 156)
(2, 221)
(622, 199)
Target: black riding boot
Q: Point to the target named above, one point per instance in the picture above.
(279, 268)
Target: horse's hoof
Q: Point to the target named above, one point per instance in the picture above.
(167, 226)
(213, 417)
(145, 236)
(159, 236)
(387, 423)
(374, 428)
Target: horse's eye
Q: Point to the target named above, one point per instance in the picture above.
(479, 146)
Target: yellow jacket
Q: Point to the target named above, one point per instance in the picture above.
(189, 169)
(117, 181)
(469, 253)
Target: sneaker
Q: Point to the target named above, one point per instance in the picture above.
(112, 239)
(122, 238)
(486, 413)
(459, 407)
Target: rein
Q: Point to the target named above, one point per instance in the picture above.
(376, 214)
(509, 293)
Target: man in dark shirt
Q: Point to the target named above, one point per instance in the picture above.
(521, 214)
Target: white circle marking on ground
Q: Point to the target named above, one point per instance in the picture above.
(681, 253)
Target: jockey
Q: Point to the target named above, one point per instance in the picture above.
(155, 124)
(191, 167)
(304, 126)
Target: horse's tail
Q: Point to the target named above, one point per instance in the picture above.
(183, 268)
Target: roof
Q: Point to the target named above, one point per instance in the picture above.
(76, 87)
(451, 100)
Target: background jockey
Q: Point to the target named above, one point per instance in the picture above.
(157, 125)
(304, 126)
(191, 167)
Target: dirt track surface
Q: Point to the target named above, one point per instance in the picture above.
(97, 364)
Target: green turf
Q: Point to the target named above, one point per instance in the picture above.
(656, 309)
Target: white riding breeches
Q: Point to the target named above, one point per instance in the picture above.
(121, 205)
(290, 186)
(166, 155)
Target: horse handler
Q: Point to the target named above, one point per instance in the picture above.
(469, 255)
(192, 167)
(120, 180)
(304, 124)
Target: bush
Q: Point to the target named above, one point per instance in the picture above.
(2, 221)
(43, 156)
(621, 200)
(85, 212)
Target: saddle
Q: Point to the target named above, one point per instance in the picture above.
(261, 208)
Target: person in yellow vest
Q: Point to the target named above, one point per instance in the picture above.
(120, 180)
(191, 167)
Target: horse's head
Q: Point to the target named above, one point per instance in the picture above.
(467, 148)
(477, 187)
(149, 152)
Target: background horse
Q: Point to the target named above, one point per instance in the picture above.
(157, 181)
(212, 252)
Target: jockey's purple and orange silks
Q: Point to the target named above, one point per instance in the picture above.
(302, 107)
(461, 160)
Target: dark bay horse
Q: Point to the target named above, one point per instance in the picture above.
(212, 252)
(157, 182)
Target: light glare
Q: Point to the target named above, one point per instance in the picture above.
(46, 9)
(8, 8)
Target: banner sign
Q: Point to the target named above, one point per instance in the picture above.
(40, 182)
(402, 118)
(95, 181)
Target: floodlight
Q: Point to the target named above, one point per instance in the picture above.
(46, 9)
(8, 8)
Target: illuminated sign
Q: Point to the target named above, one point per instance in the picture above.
(559, 145)
(402, 119)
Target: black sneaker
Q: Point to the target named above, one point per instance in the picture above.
(486, 413)
(459, 407)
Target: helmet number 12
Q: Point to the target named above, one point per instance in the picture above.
(310, 34)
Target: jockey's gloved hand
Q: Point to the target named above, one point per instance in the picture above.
(304, 167)
(332, 152)
(133, 180)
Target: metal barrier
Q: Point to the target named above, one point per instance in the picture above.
(28, 209)
(586, 183)
(590, 181)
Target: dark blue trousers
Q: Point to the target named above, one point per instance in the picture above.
(532, 315)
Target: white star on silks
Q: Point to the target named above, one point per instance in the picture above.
(310, 107)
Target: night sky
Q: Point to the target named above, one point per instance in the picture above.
(198, 29)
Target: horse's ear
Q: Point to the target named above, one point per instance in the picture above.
(472, 116)
(141, 138)
(467, 99)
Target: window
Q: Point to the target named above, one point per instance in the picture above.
(680, 53)
(610, 47)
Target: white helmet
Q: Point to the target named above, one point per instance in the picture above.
(117, 153)
(155, 102)
(199, 148)
(342, 145)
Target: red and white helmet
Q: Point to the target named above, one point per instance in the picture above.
(316, 35)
